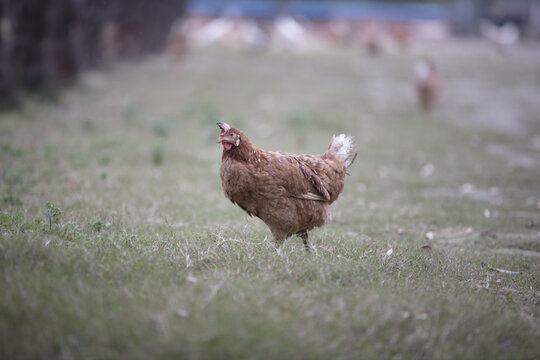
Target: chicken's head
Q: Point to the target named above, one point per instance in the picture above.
(228, 137)
(423, 68)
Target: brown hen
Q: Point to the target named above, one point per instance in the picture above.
(428, 84)
(290, 193)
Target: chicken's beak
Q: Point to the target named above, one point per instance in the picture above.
(223, 126)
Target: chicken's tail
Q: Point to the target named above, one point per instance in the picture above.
(342, 146)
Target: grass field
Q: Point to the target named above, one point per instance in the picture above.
(116, 240)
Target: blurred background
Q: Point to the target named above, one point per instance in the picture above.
(116, 240)
(45, 44)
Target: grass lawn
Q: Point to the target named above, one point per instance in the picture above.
(116, 240)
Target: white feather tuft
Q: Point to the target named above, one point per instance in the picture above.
(343, 148)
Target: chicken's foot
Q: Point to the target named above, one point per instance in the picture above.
(304, 236)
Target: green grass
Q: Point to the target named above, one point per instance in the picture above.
(139, 255)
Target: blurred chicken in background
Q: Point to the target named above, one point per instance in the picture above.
(291, 35)
(254, 38)
(427, 84)
(503, 36)
(372, 38)
(339, 31)
(401, 35)
(177, 44)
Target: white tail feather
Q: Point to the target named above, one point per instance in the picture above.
(342, 146)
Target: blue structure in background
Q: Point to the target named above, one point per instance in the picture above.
(250, 8)
(323, 10)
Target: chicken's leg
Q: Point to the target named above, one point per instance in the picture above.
(304, 236)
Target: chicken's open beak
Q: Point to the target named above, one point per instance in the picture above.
(224, 128)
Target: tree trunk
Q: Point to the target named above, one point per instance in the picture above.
(92, 16)
(61, 60)
(27, 46)
(7, 98)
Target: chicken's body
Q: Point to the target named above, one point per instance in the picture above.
(428, 84)
(290, 193)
